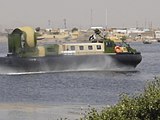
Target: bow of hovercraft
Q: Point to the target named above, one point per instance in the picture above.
(127, 59)
(121, 52)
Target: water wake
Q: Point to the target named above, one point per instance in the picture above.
(69, 71)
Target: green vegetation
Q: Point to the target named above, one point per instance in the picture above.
(144, 106)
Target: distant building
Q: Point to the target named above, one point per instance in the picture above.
(120, 31)
(135, 30)
(157, 35)
(93, 28)
(148, 35)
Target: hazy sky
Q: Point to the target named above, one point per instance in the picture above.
(120, 13)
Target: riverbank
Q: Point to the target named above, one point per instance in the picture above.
(26, 111)
(3, 39)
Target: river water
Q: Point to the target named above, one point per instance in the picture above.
(50, 96)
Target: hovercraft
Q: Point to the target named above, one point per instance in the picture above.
(24, 55)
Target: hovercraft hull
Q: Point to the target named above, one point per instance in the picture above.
(70, 62)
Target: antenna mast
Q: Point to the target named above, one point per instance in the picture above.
(49, 23)
(65, 23)
(106, 19)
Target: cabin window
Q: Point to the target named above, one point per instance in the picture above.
(72, 47)
(109, 44)
(81, 47)
(90, 47)
(118, 44)
(98, 47)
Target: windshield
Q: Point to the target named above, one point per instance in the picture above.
(122, 44)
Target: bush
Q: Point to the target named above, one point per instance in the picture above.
(144, 106)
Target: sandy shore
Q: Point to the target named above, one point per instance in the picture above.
(3, 39)
(19, 111)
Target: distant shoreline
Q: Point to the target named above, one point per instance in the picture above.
(3, 39)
